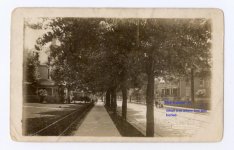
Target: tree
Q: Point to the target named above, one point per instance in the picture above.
(31, 58)
(121, 41)
(119, 38)
(31, 63)
(70, 58)
(170, 47)
(192, 45)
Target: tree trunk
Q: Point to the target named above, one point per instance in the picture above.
(61, 94)
(124, 93)
(150, 99)
(113, 100)
(108, 98)
(111, 97)
(68, 95)
(124, 102)
(192, 84)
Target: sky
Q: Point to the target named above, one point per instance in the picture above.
(31, 35)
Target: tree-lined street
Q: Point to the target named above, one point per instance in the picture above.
(104, 57)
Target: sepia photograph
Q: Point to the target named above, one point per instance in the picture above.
(117, 75)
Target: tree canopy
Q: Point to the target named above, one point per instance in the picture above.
(109, 54)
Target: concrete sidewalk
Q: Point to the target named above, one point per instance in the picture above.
(183, 125)
(97, 123)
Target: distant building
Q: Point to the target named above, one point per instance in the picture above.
(175, 90)
(181, 89)
(43, 81)
(44, 72)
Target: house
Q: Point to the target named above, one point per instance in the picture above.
(175, 90)
(43, 82)
(181, 89)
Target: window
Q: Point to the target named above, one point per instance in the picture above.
(187, 83)
(163, 92)
(174, 91)
(48, 73)
(167, 92)
(202, 83)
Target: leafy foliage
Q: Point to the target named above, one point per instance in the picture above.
(30, 67)
(95, 53)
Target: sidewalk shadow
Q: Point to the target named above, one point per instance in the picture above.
(124, 128)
